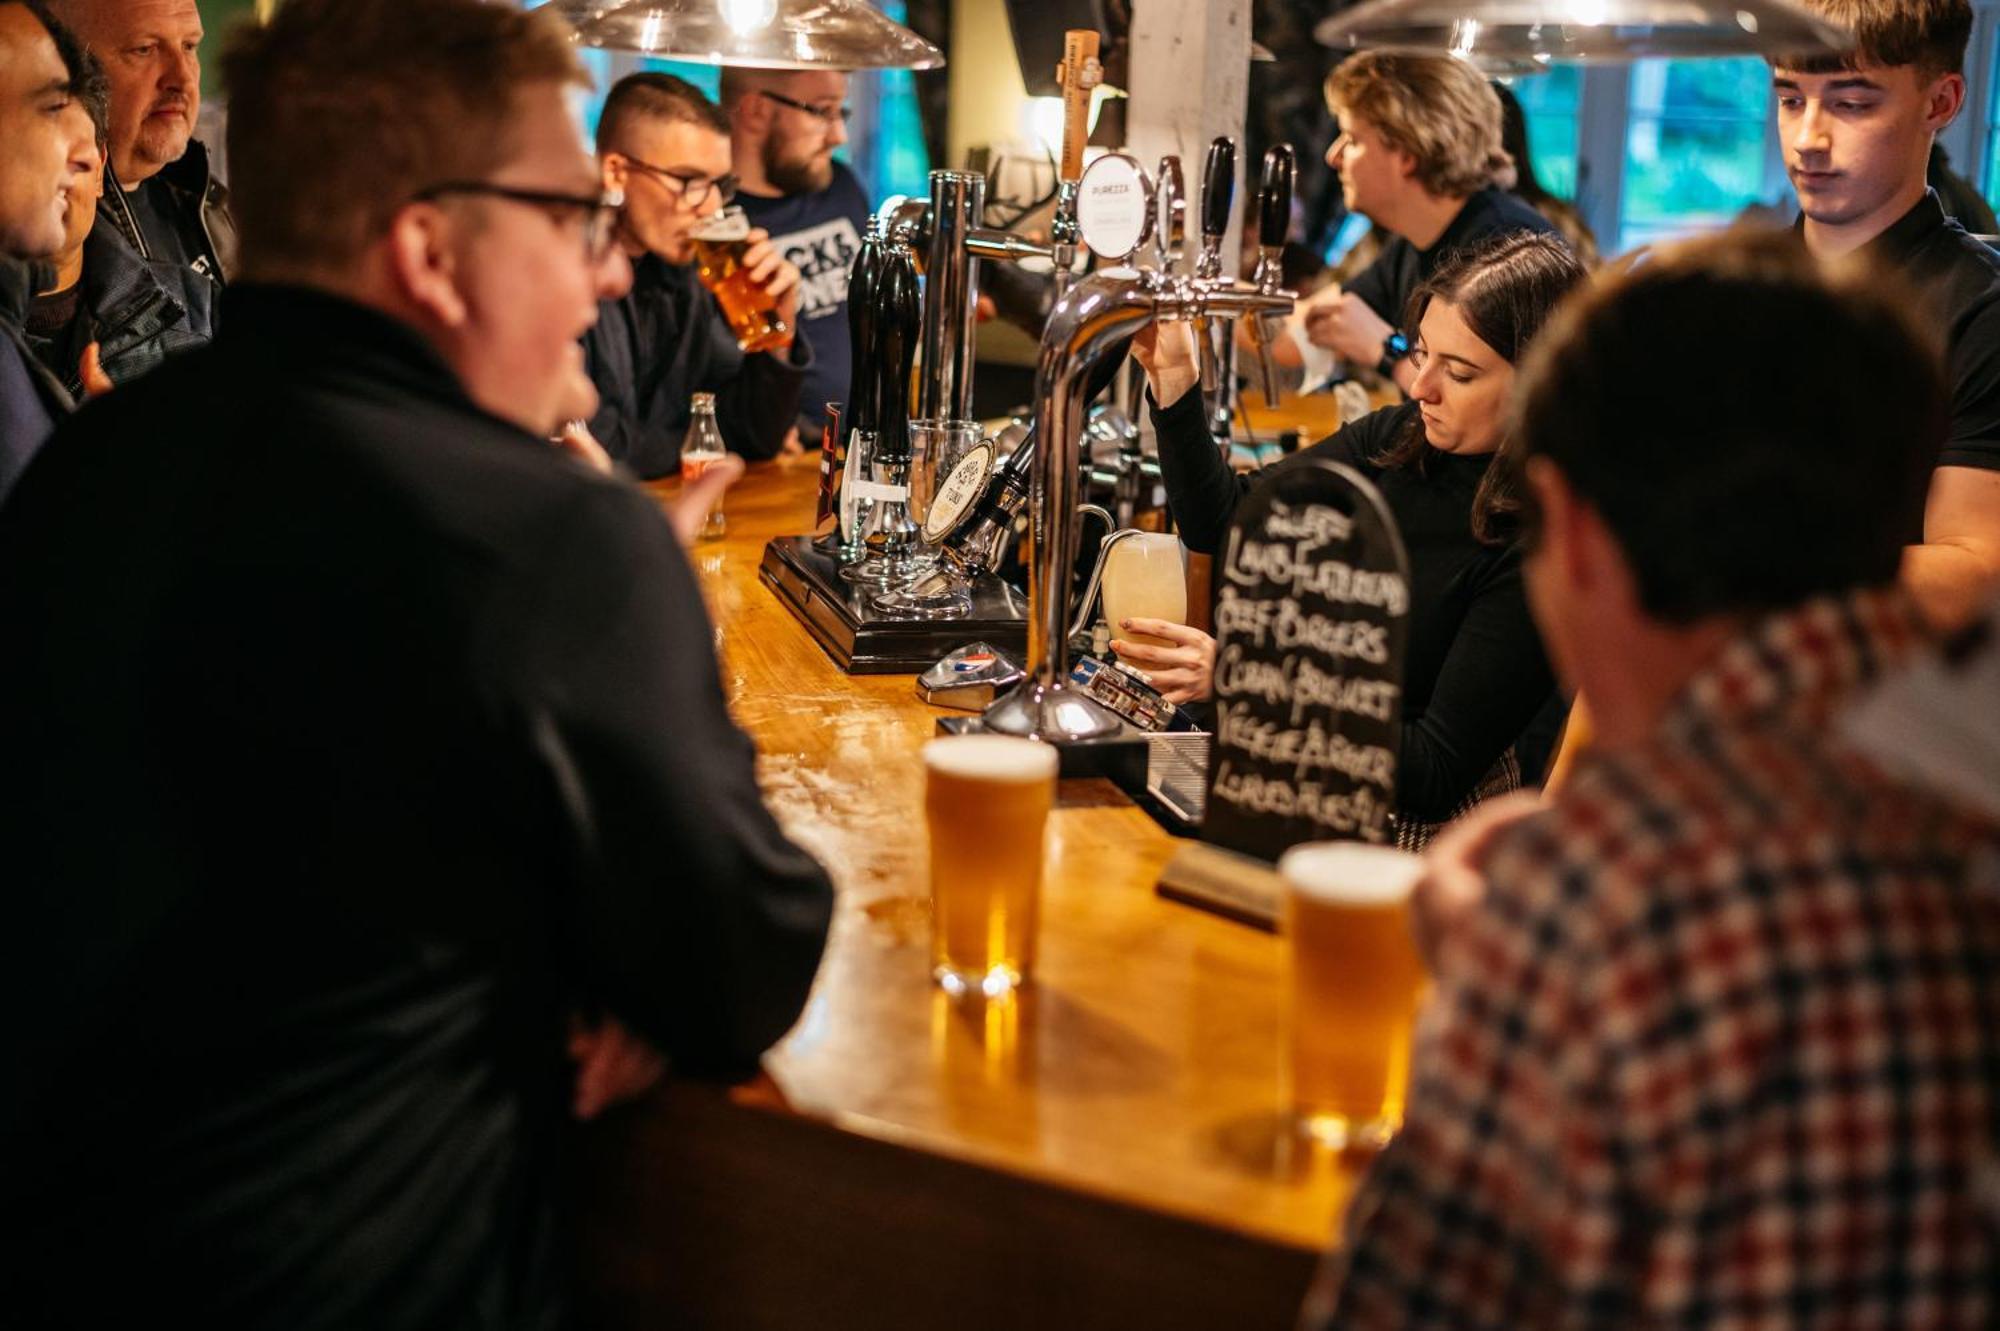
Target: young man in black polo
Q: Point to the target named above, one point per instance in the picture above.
(1857, 132)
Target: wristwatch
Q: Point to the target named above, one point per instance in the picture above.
(1394, 348)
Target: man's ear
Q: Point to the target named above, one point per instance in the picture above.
(1943, 100)
(616, 172)
(1557, 505)
(423, 264)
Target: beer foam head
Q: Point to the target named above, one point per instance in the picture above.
(725, 226)
(991, 758)
(1349, 873)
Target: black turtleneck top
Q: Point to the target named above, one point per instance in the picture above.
(1476, 674)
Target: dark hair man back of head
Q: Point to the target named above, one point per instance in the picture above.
(1793, 471)
(1688, 1038)
(404, 722)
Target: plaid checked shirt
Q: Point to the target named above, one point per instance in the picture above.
(1723, 1048)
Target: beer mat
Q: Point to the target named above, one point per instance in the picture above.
(1224, 883)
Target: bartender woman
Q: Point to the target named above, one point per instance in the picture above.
(1475, 675)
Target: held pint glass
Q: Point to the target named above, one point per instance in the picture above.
(1355, 984)
(987, 800)
(719, 244)
(1144, 578)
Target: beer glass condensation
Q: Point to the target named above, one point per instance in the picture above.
(719, 244)
(987, 801)
(1145, 578)
(1356, 981)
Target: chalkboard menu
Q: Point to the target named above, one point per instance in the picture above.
(1311, 626)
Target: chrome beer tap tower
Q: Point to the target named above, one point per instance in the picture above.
(1096, 315)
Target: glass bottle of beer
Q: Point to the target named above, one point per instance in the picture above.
(701, 450)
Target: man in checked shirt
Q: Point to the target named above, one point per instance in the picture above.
(1718, 1044)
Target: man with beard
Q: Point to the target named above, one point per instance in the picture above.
(663, 148)
(784, 127)
(46, 148)
(159, 190)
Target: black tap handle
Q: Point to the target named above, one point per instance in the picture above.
(1274, 202)
(1218, 189)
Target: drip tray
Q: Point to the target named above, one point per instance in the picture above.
(865, 641)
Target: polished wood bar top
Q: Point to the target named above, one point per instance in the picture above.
(1142, 1065)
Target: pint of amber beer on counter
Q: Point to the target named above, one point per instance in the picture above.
(987, 801)
(1355, 984)
(719, 245)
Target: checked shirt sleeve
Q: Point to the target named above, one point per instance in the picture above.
(1500, 1203)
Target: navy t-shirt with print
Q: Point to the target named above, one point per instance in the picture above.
(821, 233)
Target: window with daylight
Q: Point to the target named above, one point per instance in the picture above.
(1697, 147)
(1549, 103)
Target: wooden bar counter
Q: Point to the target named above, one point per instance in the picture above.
(1107, 1151)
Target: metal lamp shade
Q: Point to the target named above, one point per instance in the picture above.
(1525, 34)
(756, 34)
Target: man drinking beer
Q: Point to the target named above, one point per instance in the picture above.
(665, 147)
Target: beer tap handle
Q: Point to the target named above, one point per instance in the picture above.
(1218, 198)
(1171, 199)
(1274, 211)
(1274, 224)
(1078, 74)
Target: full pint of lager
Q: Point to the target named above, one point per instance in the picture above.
(1355, 984)
(719, 245)
(987, 800)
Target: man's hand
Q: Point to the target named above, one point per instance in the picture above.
(1166, 351)
(1344, 325)
(612, 1065)
(690, 508)
(1183, 672)
(1454, 881)
(576, 440)
(96, 383)
(791, 448)
(776, 274)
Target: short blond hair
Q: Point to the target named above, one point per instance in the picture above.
(1440, 111)
(340, 111)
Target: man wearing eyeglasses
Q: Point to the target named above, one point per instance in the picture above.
(356, 739)
(665, 147)
(784, 128)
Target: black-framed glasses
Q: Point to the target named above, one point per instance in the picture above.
(831, 115)
(694, 190)
(599, 211)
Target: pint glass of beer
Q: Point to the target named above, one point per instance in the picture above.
(987, 800)
(719, 245)
(1355, 984)
(1145, 578)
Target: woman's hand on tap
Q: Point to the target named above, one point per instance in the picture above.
(1165, 350)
